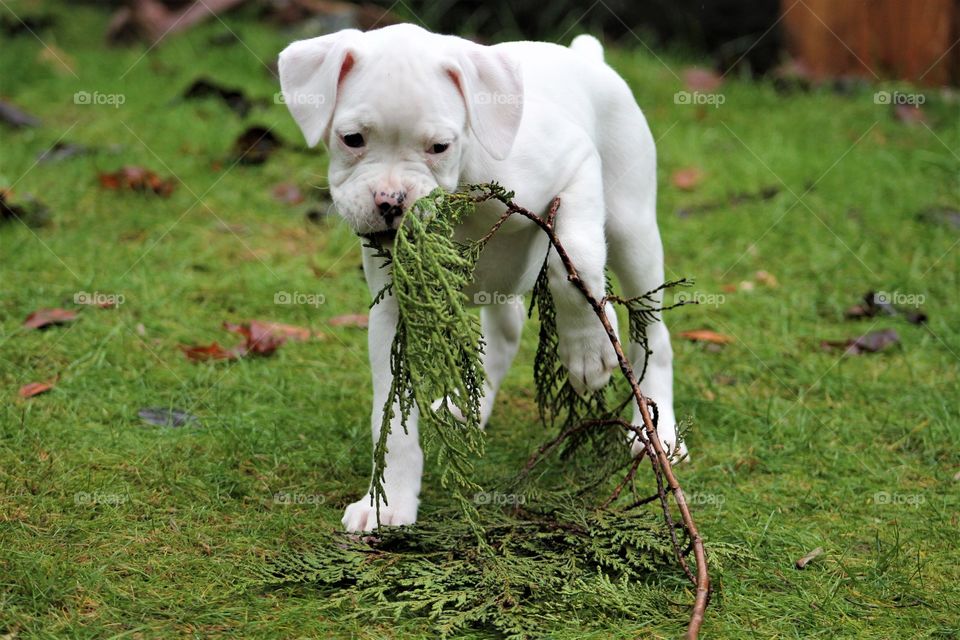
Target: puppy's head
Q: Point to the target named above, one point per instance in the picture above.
(398, 109)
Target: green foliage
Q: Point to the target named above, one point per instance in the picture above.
(436, 351)
(542, 566)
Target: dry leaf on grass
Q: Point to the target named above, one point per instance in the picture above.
(43, 318)
(909, 113)
(360, 320)
(259, 338)
(687, 179)
(35, 389)
(288, 193)
(702, 80)
(867, 343)
(255, 145)
(233, 98)
(705, 335)
(137, 179)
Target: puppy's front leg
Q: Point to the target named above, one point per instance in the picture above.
(584, 346)
(404, 458)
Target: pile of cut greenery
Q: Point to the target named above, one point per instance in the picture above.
(512, 568)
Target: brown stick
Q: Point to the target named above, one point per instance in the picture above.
(658, 456)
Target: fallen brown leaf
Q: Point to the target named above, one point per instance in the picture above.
(705, 335)
(810, 557)
(288, 331)
(288, 193)
(137, 179)
(687, 179)
(255, 145)
(909, 113)
(27, 210)
(700, 79)
(211, 351)
(867, 343)
(42, 318)
(259, 339)
(361, 320)
(233, 98)
(35, 389)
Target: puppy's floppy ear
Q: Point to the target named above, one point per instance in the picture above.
(310, 73)
(491, 84)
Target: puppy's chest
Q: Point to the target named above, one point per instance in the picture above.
(509, 263)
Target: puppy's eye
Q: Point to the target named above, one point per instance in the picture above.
(439, 147)
(353, 140)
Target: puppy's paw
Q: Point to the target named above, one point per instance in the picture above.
(362, 514)
(486, 407)
(588, 356)
(677, 452)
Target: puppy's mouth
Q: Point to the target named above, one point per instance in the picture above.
(379, 237)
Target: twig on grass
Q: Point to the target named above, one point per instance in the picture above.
(659, 459)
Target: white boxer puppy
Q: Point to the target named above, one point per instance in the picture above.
(402, 110)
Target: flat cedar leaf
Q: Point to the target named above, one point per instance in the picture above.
(687, 179)
(42, 318)
(705, 335)
(867, 343)
(700, 79)
(361, 320)
(137, 179)
(35, 388)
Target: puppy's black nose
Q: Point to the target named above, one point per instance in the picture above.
(390, 204)
(389, 211)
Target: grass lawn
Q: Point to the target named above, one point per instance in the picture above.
(112, 527)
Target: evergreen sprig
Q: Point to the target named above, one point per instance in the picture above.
(532, 566)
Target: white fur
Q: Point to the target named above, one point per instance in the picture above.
(542, 119)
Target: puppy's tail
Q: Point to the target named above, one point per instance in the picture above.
(588, 47)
